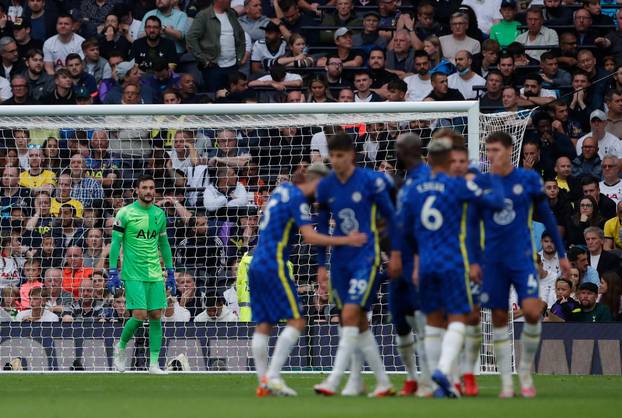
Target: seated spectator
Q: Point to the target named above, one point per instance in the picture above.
(441, 91)
(379, 74)
(174, 312)
(349, 57)
(370, 37)
(216, 310)
(587, 62)
(59, 301)
(611, 185)
(588, 162)
(227, 152)
(174, 23)
(532, 93)
(189, 298)
(590, 310)
(40, 222)
(537, 34)
(94, 64)
(492, 100)
(286, 148)
(565, 303)
(21, 95)
(253, 19)
(603, 261)
(62, 196)
(184, 154)
(320, 310)
(25, 42)
(613, 231)
(579, 260)
(144, 50)
(432, 47)
(70, 228)
(50, 253)
(237, 90)
(63, 89)
(343, 16)
(94, 14)
(548, 255)
(587, 215)
(86, 306)
(188, 89)
(118, 313)
(465, 79)
(124, 74)
(9, 271)
(487, 59)
(95, 251)
(297, 55)
(37, 312)
(12, 195)
(318, 90)
(362, 84)
(567, 58)
(400, 54)
(563, 123)
(57, 47)
(100, 165)
(419, 84)
(32, 274)
(36, 178)
(84, 189)
(608, 144)
(375, 145)
(334, 73)
(591, 188)
(531, 157)
(9, 303)
(552, 76)
(79, 77)
(279, 79)
(610, 294)
(266, 52)
(75, 272)
(226, 191)
(458, 39)
(396, 90)
(506, 68)
(291, 20)
(579, 103)
(162, 78)
(506, 31)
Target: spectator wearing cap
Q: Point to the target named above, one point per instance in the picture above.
(11, 63)
(65, 42)
(465, 79)
(291, 20)
(419, 84)
(590, 310)
(603, 261)
(586, 61)
(217, 42)
(362, 84)
(151, 46)
(537, 34)
(21, 34)
(343, 16)
(94, 63)
(606, 206)
(19, 86)
(349, 56)
(458, 39)
(266, 52)
(174, 22)
(40, 83)
(492, 100)
(63, 89)
(588, 163)
(611, 185)
(42, 19)
(94, 14)
(127, 72)
(79, 77)
(400, 53)
(370, 36)
(253, 21)
(441, 91)
(608, 144)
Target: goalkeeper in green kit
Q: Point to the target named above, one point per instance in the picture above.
(141, 229)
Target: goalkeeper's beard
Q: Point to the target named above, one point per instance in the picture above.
(146, 198)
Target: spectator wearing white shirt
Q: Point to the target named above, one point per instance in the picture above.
(537, 34)
(458, 39)
(278, 79)
(546, 284)
(550, 261)
(488, 12)
(465, 78)
(216, 310)
(266, 51)
(65, 42)
(174, 312)
(611, 185)
(419, 84)
(184, 154)
(37, 311)
(532, 93)
(226, 191)
(608, 144)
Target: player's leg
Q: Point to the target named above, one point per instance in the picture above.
(259, 348)
(156, 302)
(426, 386)
(284, 344)
(355, 385)
(371, 353)
(472, 345)
(136, 302)
(403, 317)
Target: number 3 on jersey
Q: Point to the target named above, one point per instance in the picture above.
(431, 218)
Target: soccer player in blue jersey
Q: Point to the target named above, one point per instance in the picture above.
(273, 293)
(509, 260)
(435, 213)
(353, 195)
(403, 295)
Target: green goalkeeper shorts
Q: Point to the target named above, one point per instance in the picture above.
(145, 295)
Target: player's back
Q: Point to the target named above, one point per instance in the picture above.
(420, 172)
(276, 227)
(508, 231)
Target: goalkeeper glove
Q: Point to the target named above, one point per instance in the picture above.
(170, 281)
(114, 283)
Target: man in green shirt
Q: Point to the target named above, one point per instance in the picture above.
(506, 31)
(590, 311)
(141, 229)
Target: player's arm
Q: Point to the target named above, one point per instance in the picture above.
(311, 236)
(323, 219)
(118, 230)
(167, 257)
(486, 190)
(474, 243)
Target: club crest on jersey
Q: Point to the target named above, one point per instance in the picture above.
(517, 189)
(356, 197)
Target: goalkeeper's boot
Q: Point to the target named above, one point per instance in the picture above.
(382, 391)
(325, 389)
(354, 387)
(120, 358)
(263, 390)
(527, 388)
(470, 385)
(444, 384)
(155, 369)
(409, 388)
(278, 387)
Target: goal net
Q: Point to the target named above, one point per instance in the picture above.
(67, 170)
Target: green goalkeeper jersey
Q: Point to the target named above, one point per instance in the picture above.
(143, 230)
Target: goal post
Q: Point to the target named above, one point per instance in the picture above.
(214, 165)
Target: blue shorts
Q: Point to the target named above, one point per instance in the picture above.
(499, 276)
(448, 291)
(273, 294)
(354, 284)
(403, 300)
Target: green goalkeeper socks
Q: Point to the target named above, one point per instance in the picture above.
(155, 340)
(129, 329)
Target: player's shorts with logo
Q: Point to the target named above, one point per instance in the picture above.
(499, 276)
(273, 294)
(447, 290)
(403, 299)
(354, 283)
(145, 295)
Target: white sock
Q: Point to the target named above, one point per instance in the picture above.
(356, 366)
(347, 344)
(530, 340)
(433, 345)
(472, 344)
(406, 350)
(451, 347)
(371, 353)
(259, 347)
(284, 344)
(503, 356)
(419, 327)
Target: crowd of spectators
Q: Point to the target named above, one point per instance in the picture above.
(61, 188)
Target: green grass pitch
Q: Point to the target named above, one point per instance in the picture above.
(233, 396)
